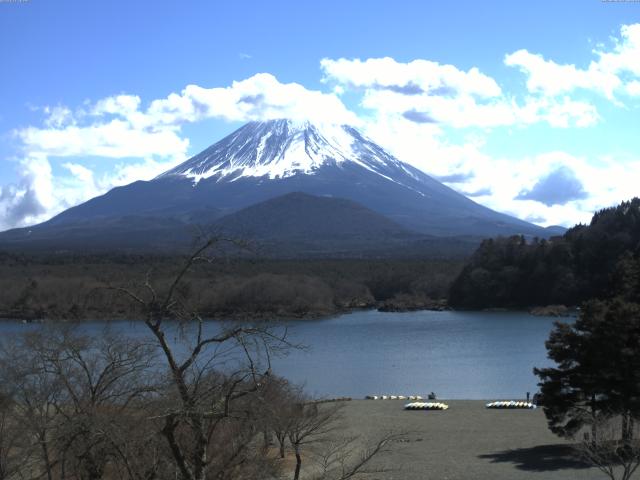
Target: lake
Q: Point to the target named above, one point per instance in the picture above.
(457, 355)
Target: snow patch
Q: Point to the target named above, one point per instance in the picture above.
(284, 148)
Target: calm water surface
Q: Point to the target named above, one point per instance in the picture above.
(458, 355)
(470, 355)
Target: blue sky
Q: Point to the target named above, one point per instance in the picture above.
(530, 107)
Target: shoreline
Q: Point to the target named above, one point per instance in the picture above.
(383, 307)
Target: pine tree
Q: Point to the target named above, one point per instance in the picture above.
(598, 369)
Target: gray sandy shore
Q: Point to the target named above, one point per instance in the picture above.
(467, 441)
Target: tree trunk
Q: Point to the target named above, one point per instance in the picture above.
(626, 428)
(281, 442)
(282, 450)
(200, 471)
(594, 422)
(45, 456)
(296, 474)
(169, 433)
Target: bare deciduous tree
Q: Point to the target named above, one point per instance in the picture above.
(615, 449)
(310, 423)
(278, 408)
(35, 394)
(99, 378)
(14, 454)
(345, 458)
(74, 396)
(211, 373)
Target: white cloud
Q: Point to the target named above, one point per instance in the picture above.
(125, 173)
(560, 113)
(260, 97)
(427, 91)
(27, 200)
(79, 186)
(117, 127)
(114, 139)
(57, 116)
(425, 146)
(608, 74)
(416, 77)
(625, 53)
(608, 181)
(550, 78)
(633, 88)
(80, 172)
(508, 178)
(122, 105)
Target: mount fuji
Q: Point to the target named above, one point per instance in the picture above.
(329, 175)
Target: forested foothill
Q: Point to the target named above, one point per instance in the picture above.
(76, 287)
(596, 261)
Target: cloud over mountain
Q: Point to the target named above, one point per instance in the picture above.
(558, 187)
(429, 92)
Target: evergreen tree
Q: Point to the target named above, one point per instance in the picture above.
(601, 260)
(598, 369)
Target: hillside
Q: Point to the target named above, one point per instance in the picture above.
(598, 260)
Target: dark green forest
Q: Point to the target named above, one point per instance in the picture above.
(600, 260)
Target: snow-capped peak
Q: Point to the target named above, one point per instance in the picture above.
(283, 148)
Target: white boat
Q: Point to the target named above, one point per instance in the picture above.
(511, 404)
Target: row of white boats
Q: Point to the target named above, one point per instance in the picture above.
(500, 404)
(393, 397)
(426, 406)
(511, 404)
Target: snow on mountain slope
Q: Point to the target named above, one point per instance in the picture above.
(279, 149)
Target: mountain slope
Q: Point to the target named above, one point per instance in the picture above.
(265, 160)
(299, 215)
(295, 225)
(262, 160)
(268, 158)
(302, 225)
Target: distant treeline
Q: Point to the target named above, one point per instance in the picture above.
(82, 287)
(599, 260)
